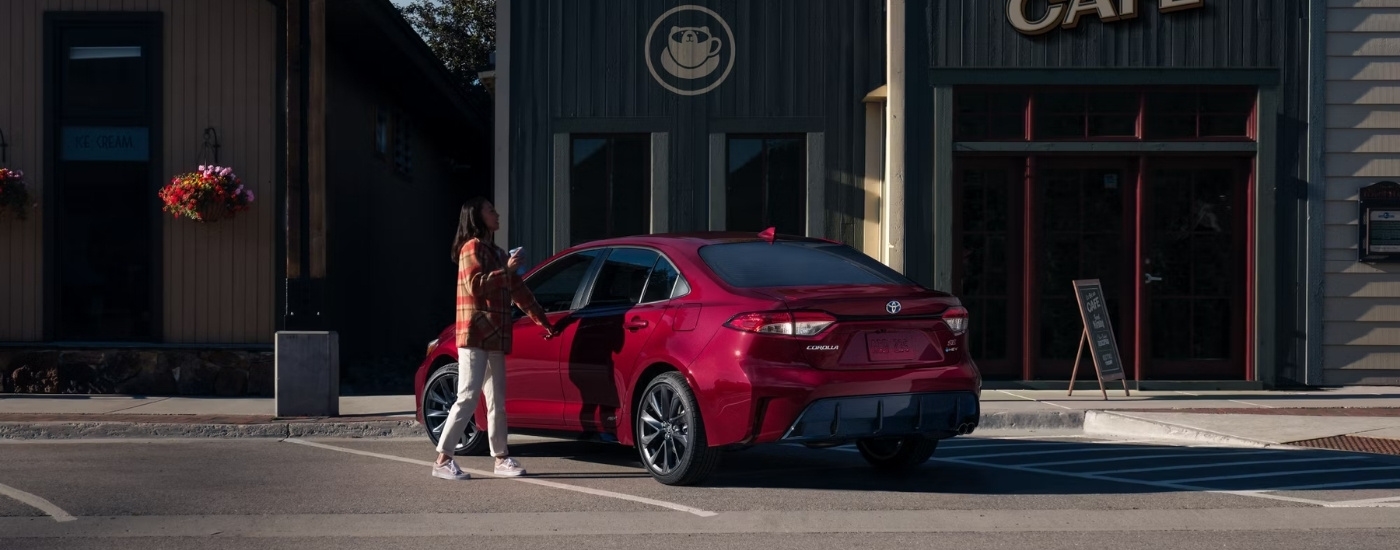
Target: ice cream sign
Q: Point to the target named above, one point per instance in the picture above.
(1036, 17)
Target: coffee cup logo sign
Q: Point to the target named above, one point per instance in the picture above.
(687, 54)
(1066, 14)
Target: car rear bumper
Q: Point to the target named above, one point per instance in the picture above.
(834, 419)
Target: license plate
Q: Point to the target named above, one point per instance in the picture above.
(893, 346)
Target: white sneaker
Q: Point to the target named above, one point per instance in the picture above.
(509, 467)
(449, 470)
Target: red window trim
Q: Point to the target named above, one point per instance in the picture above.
(1140, 127)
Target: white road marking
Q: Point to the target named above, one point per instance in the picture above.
(1180, 486)
(1382, 500)
(1158, 484)
(1218, 464)
(1189, 393)
(1034, 400)
(1251, 404)
(532, 481)
(1119, 458)
(1287, 473)
(1336, 485)
(36, 501)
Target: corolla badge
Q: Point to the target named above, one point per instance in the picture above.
(893, 307)
(823, 348)
(695, 55)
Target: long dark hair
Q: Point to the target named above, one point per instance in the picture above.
(470, 225)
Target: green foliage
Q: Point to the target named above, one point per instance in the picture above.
(461, 32)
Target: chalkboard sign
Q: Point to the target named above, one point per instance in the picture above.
(1098, 335)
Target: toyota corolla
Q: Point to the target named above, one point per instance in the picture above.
(685, 345)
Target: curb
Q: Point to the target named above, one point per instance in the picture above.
(101, 429)
(1040, 420)
(1116, 424)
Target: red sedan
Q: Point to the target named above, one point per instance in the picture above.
(684, 345)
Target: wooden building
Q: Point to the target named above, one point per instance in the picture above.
(998, 149)
(357, 143)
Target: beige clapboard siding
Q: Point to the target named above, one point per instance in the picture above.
(1363, 141)
(1371, 310)
(1362, 357)
(1367, 44)
(1364, 116)
(21, 283)
(219, 70)
(1361, 305)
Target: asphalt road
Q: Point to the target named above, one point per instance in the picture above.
(979, 492)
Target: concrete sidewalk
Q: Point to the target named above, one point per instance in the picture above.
(1353, 416)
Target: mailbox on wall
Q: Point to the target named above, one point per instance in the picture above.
(1380, 223)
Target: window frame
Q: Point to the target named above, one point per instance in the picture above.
(586, 293)
(609, 138)
(1143, 127)
(804, 200)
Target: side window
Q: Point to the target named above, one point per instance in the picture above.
(662, 282)
(554, 286)
(623, 277)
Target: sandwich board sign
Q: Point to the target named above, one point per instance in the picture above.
(1098, 334)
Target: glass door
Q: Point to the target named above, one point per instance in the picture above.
(104, 241)
(989, 194)
(1081, 229)
(1194, 262)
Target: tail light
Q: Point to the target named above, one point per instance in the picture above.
(956, 319)
(794, 323)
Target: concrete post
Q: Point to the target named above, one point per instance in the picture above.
(308, 373)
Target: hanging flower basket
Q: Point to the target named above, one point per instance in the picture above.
(209, 194)
(14, 196)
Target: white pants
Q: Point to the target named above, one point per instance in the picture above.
(477, 371)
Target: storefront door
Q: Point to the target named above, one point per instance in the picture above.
(1169, 244)
(103, 247)
(1193, 269)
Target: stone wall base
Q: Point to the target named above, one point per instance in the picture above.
(227, 373)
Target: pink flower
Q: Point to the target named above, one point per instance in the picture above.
(225, 171)
(249, 193)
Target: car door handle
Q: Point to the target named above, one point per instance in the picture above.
(636, 324)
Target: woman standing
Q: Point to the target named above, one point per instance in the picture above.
(487, 283)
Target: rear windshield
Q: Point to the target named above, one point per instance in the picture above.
(783, 264)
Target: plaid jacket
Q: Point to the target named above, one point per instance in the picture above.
(485, 291)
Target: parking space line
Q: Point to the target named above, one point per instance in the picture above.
(1382, 500)
(1337, 485)
(1157, 484)
(532, 481)
(1219, 464)
(1032, 399)
(1175, 455)
(36, 501)
(1287, 473)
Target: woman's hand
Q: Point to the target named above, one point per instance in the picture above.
(550, 331)
(513, 264)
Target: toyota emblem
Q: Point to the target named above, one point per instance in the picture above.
(893, 307)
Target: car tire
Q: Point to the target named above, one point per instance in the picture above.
(439, 393)
(672, 444)
(897, 454)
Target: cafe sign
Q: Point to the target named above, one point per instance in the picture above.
(1067, 14)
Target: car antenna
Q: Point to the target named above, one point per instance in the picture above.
(770, 234)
